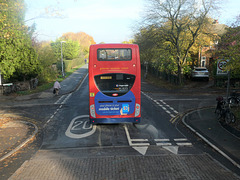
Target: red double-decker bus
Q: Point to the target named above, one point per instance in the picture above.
(114, 83)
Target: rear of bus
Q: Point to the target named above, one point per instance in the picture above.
(114, 83)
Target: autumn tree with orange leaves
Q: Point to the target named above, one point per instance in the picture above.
(82, 38)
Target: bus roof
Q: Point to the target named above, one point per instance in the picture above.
(115, 45)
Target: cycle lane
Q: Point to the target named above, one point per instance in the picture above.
(203, 122)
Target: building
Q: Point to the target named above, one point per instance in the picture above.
(207, 52)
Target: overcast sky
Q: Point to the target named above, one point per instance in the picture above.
(110, 21)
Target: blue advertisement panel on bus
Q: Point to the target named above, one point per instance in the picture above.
(122, 105)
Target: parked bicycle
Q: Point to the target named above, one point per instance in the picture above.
(223, 111)
(234, 99)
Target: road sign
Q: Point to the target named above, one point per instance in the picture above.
(221, 67)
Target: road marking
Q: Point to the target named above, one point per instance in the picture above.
(66, 99)
(48, 121)
(178, 141)
(193, 99)
(163, 144)
(184, 144)
(174, 119)
(161, 140)
(139, 139)
(82, 82)
(60, 99)
(167, 108)
(71, 126)
(172, 149)
(140, 147)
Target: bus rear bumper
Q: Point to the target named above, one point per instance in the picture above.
(114, 120)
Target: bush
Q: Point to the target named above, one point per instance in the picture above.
(70, 64)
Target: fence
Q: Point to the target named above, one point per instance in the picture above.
(162, 75)
(9, 88)
(222, 82)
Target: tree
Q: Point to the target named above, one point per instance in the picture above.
(82, 38)
(70, 49)
(155, 50)
(17, 56)
(229, 46)
(46, 58)
(180, 23)
(131, 41)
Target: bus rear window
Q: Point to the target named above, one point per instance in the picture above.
(114, 54)
(116, 83)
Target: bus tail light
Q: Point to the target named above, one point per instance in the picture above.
(137, 110)
(92, 111)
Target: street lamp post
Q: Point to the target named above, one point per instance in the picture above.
(62, 58)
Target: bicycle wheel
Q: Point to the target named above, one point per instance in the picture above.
(218, 113)
(228, 117)
(233, 118)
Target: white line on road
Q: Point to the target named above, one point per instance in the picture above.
(139, 139)
(66, 99)
(164, 106)
(192, 99)
(60, 99)
(180, 139)
(184, 144)
(82, 82)
(163, 144)
(161, 140)
(140, 147)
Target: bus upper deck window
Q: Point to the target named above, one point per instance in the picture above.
(118, 54)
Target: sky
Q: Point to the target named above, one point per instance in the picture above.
(109, 21)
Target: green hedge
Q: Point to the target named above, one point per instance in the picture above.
(221, 81)
(70, 64)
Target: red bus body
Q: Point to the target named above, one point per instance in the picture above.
(120, 103)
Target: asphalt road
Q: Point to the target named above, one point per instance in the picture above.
(160, 146)
(70, 127)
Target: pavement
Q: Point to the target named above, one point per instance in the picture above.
(15, 132)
